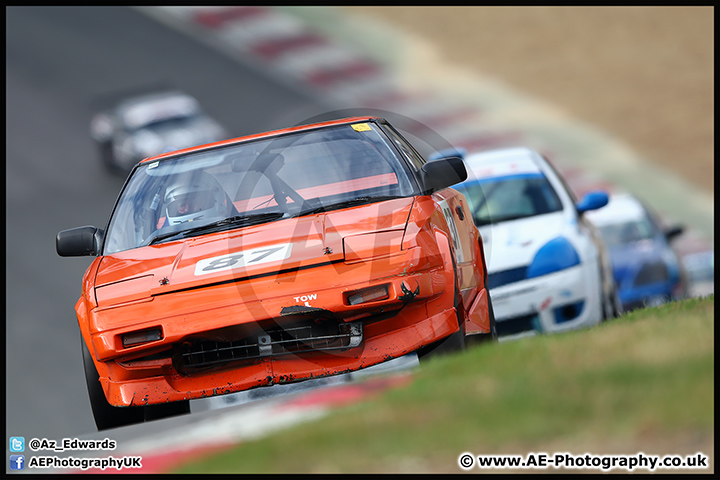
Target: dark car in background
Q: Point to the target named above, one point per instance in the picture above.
(647, 268)
(151, 123)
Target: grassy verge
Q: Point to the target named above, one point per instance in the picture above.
(641, 383)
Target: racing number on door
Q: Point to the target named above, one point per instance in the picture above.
(242, 259)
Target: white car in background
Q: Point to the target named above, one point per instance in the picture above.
(148, 124)
(548, 268)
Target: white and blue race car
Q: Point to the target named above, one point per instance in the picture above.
(548, 268)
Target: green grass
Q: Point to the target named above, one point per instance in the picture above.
(639, 382)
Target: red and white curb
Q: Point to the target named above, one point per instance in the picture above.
(227, 428)
(312, 48)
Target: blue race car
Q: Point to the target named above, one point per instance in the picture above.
(647, 269)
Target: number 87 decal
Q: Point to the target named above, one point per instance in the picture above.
(255, 256)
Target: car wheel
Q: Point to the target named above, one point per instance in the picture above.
(453, 343)
(106, 415)
(606, 308)
(164, 410)
(611, 307)
(456, 341)
(109, 416)
(616, 304)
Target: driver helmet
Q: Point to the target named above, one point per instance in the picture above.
(196, 198)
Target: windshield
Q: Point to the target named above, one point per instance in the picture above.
(626, 232)
(256, 182)
(500, 199)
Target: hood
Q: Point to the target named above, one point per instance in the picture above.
(250, 251)
(514, 243)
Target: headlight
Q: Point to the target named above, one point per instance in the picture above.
(132, 339)
(370, 294)
(558, 254)
(652, 273)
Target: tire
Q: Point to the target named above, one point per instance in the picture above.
(612, 308)
(109, 416)
(453, 343)
(450, 344)
(493, 324)
(617, 307)
(164, 410)
(106, 415)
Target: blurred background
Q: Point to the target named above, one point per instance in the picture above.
(644, 75)
(616, 96)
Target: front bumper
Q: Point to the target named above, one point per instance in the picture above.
(225, 318)
(653, 294)
(384, 340)
(557, 302)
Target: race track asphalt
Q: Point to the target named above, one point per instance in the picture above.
(240, 66)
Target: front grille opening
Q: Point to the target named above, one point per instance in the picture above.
(505, 277)
(569, 312)
(651, 273)
(309, 336)
(154, 359)
(519, 324)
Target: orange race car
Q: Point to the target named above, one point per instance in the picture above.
(274, 258)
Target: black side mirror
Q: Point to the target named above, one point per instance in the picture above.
(443, 173)
(79, 241)
(674, 231)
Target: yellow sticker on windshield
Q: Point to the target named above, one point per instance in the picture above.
(361, 127)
